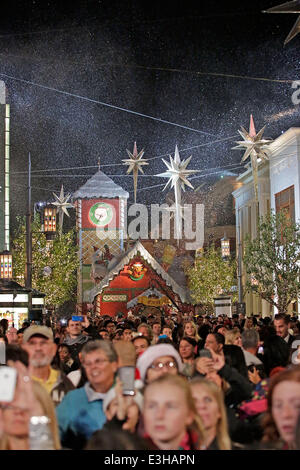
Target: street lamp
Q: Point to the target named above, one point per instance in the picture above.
(5, 265)
(225, 247)
(50, 219)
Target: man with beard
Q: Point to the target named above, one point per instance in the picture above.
(39, 343)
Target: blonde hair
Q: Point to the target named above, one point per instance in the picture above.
(183, 384)
(247, 325)
(222, 435)
(196, 336)
(232, 335)
(43, 397)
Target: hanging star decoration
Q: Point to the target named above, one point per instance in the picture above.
(135, 163)
(288, 7)
(177, 173)
(256, 147)
(62, 205)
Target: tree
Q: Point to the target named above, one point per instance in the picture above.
(272, 261)
(60, 255)
(210, 277)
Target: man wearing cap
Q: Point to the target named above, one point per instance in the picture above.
(39, 343)
(158, 360)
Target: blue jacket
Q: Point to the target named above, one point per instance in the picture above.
(80, 413)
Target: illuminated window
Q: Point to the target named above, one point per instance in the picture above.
(285, 201)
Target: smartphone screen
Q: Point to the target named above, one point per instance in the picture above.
(8, 379)
(77, 318)
(205, 353)
(127, 377)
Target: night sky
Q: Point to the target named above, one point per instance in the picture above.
(154, 58)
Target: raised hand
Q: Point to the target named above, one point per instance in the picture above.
(218, 360)
(204, 365)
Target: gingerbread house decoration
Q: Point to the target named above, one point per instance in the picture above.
(136, 280)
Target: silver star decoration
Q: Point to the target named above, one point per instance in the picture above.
(62, 205)
(177, 174)
(256, 148)
(135, 163)
(288, 7)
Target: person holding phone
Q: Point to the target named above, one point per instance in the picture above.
(81, 412)
(122, 411)
(29, 400)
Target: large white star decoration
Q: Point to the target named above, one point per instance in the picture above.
(62, 205)
(288, 7)
(135, 163)
(256, 148)
(177, 173)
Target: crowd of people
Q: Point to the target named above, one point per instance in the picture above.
(165, 382)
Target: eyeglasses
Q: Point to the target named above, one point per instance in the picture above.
(161, 365)
(97, 362)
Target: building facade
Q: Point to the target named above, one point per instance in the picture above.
(278, 188)
(4, 168)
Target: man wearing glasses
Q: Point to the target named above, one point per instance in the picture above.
(81, 412)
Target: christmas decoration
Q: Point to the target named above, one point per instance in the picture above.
(135, 163)
(62, 205)
(177, 174)
(288, 7)
(136, 271)
(256, 147)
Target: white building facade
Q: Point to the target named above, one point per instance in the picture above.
(278, 188)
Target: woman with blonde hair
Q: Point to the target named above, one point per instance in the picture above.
(190, 329)
(209, 402)
(233, 337)
(249, 324)
(30, 399)
(170, 416)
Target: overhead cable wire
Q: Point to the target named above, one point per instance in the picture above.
(118, 108)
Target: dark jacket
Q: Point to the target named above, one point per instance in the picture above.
(76, 344)
(240, 388)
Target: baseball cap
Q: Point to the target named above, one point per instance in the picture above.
(37, 330)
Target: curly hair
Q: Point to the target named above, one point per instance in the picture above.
(271, 433)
